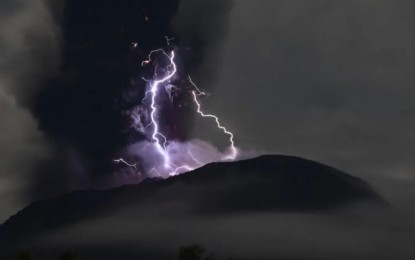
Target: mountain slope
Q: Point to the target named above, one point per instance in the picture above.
(266, 183)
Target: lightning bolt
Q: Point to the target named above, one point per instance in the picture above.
(158, 139)
(180, 169)
(154, 87)
(121, 160)
(234, 151)
(199, 91)
(194, 158)
(168, 40)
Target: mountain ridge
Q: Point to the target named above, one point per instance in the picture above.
(264, 183)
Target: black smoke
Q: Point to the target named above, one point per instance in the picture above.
(82, 107)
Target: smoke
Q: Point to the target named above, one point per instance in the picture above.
(203, 27)
(29, 54)
(331, 81)
(29, 48)
(148, 162)
(161, 226)
(70, 73)
(100, 99)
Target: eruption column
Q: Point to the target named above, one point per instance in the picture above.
(158, 139)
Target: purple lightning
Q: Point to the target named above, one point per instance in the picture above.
(161, 145)
(168, 40)
(154, 90)
(121, 160)
(199, 91)
(234, 151)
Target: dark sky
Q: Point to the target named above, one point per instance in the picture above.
(82, 105)
(85, 75)
(327, 80)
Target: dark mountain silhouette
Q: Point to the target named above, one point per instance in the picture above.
(270, 182)
(266, 183)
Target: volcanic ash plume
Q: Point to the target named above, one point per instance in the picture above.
(161, 156)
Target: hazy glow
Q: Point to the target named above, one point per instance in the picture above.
(160, 157)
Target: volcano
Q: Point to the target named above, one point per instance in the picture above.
(269, 183)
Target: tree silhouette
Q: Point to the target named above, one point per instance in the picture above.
(25, 255)
(192, 252)
(68, 256)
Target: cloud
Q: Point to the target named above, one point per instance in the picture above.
(143, 159)
(29, 50)
(80, 133)
(160, 227)
(23, 146)
(202, 27)
(326, 80)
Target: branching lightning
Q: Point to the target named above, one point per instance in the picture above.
(234, 151)
(121, 160)
(154, 89)
(194, 159)
(159, 140)
(198, 92)
(168, 40)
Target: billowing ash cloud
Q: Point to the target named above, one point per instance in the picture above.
(74, 69)
(202, 27)
(29, 54)
(29, 46)
(184, 155)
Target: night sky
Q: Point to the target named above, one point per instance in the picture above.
(82, 101)
(330, 81)
(83, 105)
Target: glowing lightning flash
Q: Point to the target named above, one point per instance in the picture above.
(121, 160)
(168, 40)
(234, 151)
(160, 141)
(199, 91)
(154, 89)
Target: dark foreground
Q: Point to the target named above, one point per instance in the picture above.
(270, 207)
